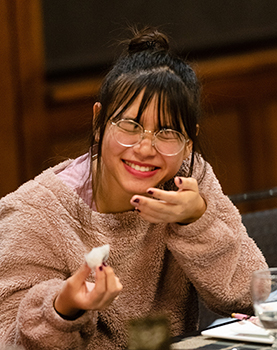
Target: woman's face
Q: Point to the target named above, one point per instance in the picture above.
(132, 170)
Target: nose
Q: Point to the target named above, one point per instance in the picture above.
(146, 146)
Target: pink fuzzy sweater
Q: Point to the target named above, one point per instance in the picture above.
(46, 228)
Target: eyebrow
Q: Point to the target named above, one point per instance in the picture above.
(128, 117)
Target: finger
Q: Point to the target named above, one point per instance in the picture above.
(147, 204)
(113, 284)
(100, 280)
(158, 196)
(80, 275)
(164, 202)
(186, 183)
(97, 294)
(159, 201)
(112, 288)
(167, 197)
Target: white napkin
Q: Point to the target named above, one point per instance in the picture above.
(97, 256)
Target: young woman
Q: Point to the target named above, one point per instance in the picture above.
(144, 189)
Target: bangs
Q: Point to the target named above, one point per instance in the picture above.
(163, 87)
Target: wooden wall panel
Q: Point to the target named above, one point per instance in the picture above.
(242, 99)
(9, 172)
(69, 127)
(31, 84)
(223, 133)
(24, 132)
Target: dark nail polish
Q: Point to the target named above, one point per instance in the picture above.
(137, 210)
(136, 200)
(104, 264)
(101, 268)
(150, 192)
(180, 181)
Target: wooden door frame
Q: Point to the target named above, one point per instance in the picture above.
(24, 141)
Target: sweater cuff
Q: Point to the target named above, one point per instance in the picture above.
(199, 226)
(69, 318)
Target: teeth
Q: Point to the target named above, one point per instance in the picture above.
(140, 168)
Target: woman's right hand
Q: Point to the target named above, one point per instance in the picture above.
(78, 294)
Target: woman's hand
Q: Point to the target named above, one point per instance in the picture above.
(183, 206)
(78, 294)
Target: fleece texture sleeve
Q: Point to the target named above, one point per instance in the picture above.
(216, 252)
(33, 267)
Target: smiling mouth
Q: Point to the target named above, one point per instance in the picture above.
(140, 168)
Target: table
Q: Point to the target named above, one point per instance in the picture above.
(153, 333)
(200, 342)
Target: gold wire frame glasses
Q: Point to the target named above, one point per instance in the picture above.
(129, 133)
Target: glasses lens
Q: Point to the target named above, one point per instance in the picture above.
(169, 142)
(128, 132)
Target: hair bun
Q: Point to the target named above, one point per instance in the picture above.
(148, 39)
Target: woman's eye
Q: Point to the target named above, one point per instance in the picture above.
(130, 126)
(136, 127)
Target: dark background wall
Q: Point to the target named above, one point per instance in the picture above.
(82, 35)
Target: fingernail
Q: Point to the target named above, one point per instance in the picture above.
(136, 200)
(137, 209)
(101, 268)
(180, 181)
(150, 192)
(104, 264)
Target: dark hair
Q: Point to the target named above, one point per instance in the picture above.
(148, 65)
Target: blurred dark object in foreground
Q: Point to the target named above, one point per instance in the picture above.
(151, 333)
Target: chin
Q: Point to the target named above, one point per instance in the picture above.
(141, 190)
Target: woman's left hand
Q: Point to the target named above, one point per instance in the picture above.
(183, 206)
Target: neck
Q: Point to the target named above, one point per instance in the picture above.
(107, 203)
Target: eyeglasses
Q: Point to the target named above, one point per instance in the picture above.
(129, 133)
